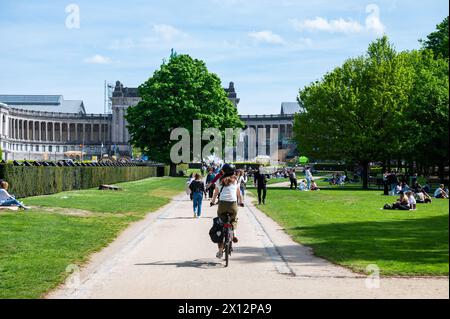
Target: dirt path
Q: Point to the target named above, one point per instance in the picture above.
(169, 255)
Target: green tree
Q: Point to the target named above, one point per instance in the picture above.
(427, 114)
(354, 113)
(437, 41)
(181, 91)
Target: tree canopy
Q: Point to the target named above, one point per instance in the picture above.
(181, 91)
(437, 41)
(380, 106)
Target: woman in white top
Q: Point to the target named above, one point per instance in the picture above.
(6, 199)
(229, 194)
(242, 181)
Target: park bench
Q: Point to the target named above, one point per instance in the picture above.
(109, 187)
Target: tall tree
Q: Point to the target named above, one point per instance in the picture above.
(427, 114)
(353, 113)
(181, 91)
(437, 41)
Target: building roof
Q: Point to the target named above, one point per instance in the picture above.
(289, 108)
(44, 103)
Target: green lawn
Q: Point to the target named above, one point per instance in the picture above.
(348, 227)
(38, 245)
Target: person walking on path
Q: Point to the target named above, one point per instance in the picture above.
(293, 179)
(309, 177)
(197, 188)
(261, 184)
(210, 185)
(242, 182)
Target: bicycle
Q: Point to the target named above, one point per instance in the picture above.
(228, 235)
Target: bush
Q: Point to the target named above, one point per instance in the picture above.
(27, 181)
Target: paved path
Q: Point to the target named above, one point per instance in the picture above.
(169, 255)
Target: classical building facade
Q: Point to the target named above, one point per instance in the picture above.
(48, 127)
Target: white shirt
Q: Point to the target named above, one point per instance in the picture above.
(421, 196)
(4, 195)
(308, 174)
(228, 193)
(411, 200)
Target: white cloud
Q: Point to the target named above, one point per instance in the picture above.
(168, 33)
(332, 26)
(266, 36)
(97, 59)
(373, 23)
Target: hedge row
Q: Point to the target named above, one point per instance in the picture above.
(27, 181)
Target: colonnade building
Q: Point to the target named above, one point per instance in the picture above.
(48, 127)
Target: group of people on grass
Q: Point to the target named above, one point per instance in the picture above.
(410, 197)
(307, 184)
(6, 199)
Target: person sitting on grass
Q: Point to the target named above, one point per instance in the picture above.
(411, 200)
(6, 199)
(314, 186)
(303, 186)
(402, 203)
(422, 197)
(440, 192)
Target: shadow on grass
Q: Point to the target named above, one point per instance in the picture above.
(413, 244)
(353, 189)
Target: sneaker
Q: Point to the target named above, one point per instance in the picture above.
(219, 254)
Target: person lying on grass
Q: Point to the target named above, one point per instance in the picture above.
(422, 197)
(6, 200)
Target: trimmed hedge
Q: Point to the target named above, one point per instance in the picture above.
(27, 181)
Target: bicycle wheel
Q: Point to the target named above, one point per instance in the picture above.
(227, 255)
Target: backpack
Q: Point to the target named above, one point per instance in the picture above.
(216, 231)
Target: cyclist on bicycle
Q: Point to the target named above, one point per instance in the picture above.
(229, 194)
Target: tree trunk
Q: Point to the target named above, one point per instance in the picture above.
(365, 175)
(441, 173)
(173, 170)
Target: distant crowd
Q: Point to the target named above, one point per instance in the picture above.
(409, 196)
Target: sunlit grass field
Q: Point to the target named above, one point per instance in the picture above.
(348, 227)
(62, 229)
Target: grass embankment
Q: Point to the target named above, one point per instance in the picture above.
(38, 245)
(348, 227)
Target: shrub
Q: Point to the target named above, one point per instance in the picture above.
(27, 181)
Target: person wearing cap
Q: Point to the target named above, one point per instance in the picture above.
(229, 196)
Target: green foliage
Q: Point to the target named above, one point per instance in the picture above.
(437, 41)
(1, 154)
(378, 107)
(179, 92)
(353, 113)
(27, 181)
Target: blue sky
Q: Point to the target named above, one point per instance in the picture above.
(268, 48)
